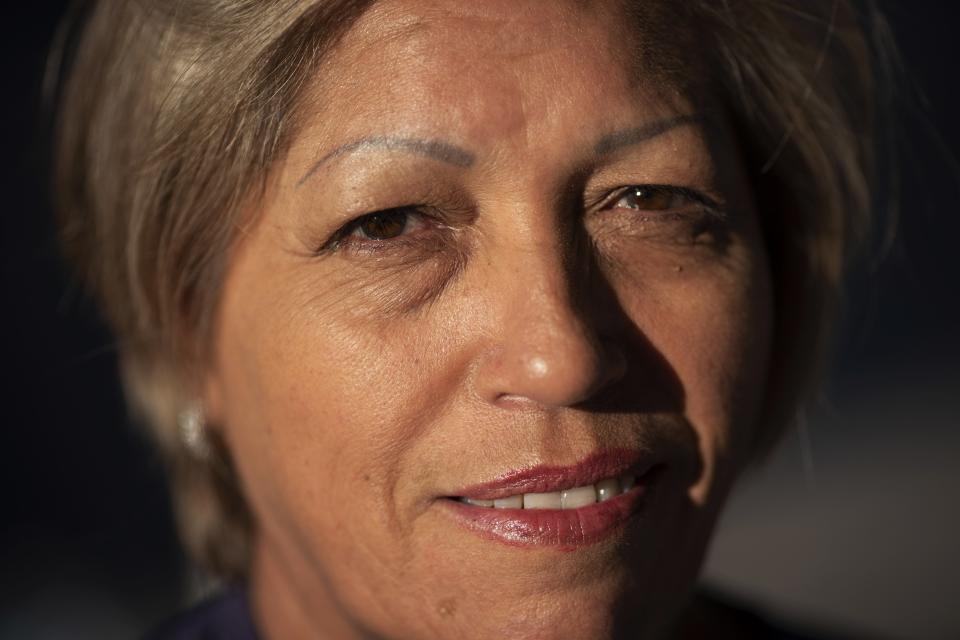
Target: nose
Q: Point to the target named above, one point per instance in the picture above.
(554, 345)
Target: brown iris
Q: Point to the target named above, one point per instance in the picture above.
(384, 225)
(648, 199)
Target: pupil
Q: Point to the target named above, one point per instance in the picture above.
(649, 199)
(383, 226)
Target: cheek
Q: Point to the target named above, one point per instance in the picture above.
(712, 325)
(324, 403)
(327, 408)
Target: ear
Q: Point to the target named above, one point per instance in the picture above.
(201, 373)
(212, 396)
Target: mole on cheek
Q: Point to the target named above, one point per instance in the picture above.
(446, 608)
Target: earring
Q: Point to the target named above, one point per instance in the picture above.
(193, 431)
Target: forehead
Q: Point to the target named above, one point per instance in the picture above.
(508, 66)
(512, 29)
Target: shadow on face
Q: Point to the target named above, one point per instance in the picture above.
(504, 248)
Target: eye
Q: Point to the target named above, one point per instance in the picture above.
(379, 229)
(651, 198)
(385, 225)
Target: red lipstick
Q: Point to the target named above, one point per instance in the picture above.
(564, 528)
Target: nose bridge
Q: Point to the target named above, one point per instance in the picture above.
(550, 346)
(545, 290)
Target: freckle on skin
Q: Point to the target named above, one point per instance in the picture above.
(678, 268)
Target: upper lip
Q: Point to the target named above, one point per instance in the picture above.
(609, 463)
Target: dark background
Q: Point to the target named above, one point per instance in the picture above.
(853, 524)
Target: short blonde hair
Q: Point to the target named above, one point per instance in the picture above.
(172, 114)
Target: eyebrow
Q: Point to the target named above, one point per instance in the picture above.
(463, 159)
(435, 149)
(636, 135)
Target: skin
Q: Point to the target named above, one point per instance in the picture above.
(528, 314)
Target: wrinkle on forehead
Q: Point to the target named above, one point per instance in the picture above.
(496, 66)
(420, 25)
(648, 25)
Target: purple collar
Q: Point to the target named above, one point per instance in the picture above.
(225, 616)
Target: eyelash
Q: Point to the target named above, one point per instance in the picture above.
(343, 237)
(692, 196)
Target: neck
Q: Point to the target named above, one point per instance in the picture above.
(287, 602)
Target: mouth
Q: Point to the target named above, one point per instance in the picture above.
(566, 507)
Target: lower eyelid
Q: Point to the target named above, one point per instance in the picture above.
(633, 222)
(672, 213)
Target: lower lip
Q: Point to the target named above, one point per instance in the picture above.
(566, 529)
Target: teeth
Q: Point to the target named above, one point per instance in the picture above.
(606, 489)
(578, 497)
(513, 502)
(542, 500)
(568, 499)
(479, 503)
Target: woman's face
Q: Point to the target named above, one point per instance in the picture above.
(508, 254)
